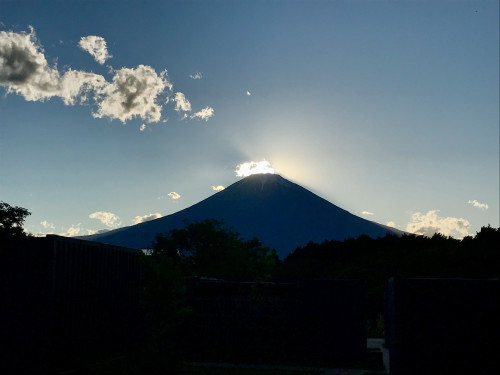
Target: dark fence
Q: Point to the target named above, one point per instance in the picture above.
(66, 301)
(443, 326)
(304, 323)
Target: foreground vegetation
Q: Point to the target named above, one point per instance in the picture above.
(210, 249)
(376, 260)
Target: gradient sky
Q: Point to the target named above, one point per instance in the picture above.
(388, 109)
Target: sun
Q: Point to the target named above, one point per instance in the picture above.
(252, 167)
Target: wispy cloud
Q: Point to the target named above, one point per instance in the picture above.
(367, 213)
(47, 225)
(181, 103)
(195, 76)
(477, 204)
(430, 223)
(218, 188)
(174, 195)
(391, 224)
(107, 218)
(143, 127)
(249, 93)
(49, 228)
(252, 167)
(142, 219)
(96, 46)
(137, 92)
(204, 114)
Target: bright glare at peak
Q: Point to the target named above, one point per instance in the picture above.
(252, 167)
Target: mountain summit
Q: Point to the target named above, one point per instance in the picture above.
(282, 214)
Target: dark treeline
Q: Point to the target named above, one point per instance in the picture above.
(209, 249)
(376, 260)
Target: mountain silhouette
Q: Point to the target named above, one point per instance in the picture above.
(282, 214)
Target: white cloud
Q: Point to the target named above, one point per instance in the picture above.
(96, 46)
(196, 76)
(25, 71)
(74, 230)
(477, 204)
(142, 219)
(252, 167)
(76, 84)
(249, 93)
(218, 188)
(181, 103)
(133, 93)
(174, 195)
(107, 218)
(49, 229)
(143, 127)
(204, 114)
(23, 67)
(428, 224)
(47, 225)
(367, 213)
(391, 224)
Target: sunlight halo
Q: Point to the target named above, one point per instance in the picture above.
(252, 167)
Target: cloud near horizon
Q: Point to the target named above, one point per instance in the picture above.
(218, 188)
(142, 219)
(132, 92)
(430, 223)
(74, 230)
(96, 46)
(107, 218)
(367, 213)
(47, 225)
(477, 204)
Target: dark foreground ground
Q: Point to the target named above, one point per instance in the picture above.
(144, 363)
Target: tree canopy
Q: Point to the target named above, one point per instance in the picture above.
(211, 250)
(202, 249)
(12, 220)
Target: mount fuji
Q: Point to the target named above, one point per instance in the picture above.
(282, 214)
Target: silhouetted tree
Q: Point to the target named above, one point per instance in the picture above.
(211, 250)
(376, 260)
(202, 249)
(165, 300)
(12, 220)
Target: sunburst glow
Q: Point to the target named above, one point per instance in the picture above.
(252, 167)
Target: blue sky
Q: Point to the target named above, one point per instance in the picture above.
(387, 109)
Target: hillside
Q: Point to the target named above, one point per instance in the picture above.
(282, 214)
